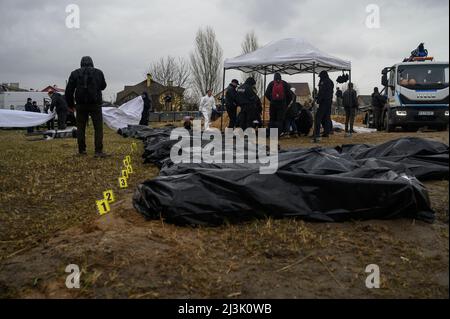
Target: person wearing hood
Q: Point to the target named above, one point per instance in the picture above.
(231, 103)
(60, 105)
(280, 96)
(248, 101)
(378, 103)
(84, 89)
(145, 117)
(207, 105)
(325, 100)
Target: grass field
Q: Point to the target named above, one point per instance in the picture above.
(48, 220)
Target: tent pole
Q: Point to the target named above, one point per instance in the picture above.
(222, 102)
(264, 97)
(314, 101)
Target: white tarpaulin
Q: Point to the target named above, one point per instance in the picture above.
(128, 114)
(19, 119)
(357, 129)
(289, 56)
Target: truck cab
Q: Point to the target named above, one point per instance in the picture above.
(417, 95)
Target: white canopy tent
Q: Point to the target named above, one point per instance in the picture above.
(288, 56)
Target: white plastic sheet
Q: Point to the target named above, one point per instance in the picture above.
(128, 114)
(357, 129)
(20, 119)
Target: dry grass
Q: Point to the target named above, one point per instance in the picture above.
(45, 187)
(48, 220)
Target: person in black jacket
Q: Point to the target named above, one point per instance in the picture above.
(324, 99)
(29, 108)
(378, 103)
(231, 103)
(145, 118)
(305, 121)
(292, 114)
(280, 96)
(350, 101)
(60, 105)
(248, 101)
(84, 89)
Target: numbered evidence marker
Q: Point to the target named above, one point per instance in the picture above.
(109, 196)
(103, 207)
(123, 183)
(126, 162)
(128, 158)
(130, 169)
(125, 173)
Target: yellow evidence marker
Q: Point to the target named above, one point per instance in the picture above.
(103, 207)
(130, 169)
(109, 196)
(126, 162)
(125, 173)
(128, 158)
(123, 183)
(134, 146)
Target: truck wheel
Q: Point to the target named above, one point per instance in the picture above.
(388, 127)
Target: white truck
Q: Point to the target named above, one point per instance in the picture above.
(417, 95)
(17, 100)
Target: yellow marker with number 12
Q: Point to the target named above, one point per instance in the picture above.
(103, 207)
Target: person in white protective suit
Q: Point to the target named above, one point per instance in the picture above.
(207, 105)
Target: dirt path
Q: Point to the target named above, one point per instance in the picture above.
(123, 256)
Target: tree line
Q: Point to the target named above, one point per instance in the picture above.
(203, 69)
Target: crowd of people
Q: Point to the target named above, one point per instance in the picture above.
(244, 107)
(286, 114)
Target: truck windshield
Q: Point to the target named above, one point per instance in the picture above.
(423, 76)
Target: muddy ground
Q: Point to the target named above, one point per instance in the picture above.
(48, 221)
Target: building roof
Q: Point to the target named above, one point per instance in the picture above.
(54, 88)
(155, 89)
(301, 89)
(11, 87)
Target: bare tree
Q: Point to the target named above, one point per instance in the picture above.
(170, 69)
(249, 45)
(206, 61)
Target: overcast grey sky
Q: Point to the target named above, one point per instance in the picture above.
(124, 37)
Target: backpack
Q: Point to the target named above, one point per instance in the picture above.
(278, 91)
(87, 87)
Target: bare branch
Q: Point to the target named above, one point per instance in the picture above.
(249, 45)
(206, 61)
